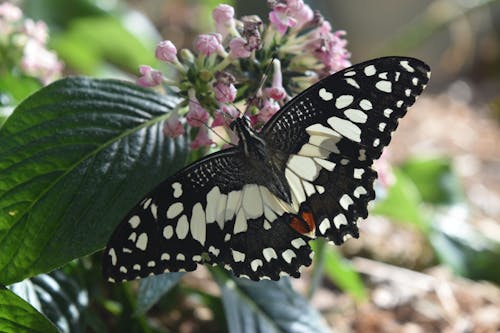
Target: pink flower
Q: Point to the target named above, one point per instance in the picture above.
(202, 139)
(225, 93)
(223, 16)
(208, 44)
(225, 115)
(197, 116)
(331, 50)
(36, 30)
(10, 12)
(238, 49)
(166, 51)
(304, 16)
(280, 19)
(295, 6)
(267, 111)
(276, 92)
(173, 127)
(150, 77)
(39, 62)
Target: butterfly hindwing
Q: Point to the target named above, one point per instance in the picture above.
(334, 130)
(212, 212)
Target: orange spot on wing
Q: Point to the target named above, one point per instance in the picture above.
(304, 224)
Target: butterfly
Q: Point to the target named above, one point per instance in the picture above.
(253, 208)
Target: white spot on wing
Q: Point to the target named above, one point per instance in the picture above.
(407, 66)
(385, 86)
(154, 210)
(252, 201)
(387, 112)
(345, 128)
(240, 225)
(356, 116)
(269, 254)
(212, 200)
(112, 254)
(339, 220)
(358, 173)
(198, 225)
(288, 255)
(238, 256)
(365, 104)
(168, 232)
(360, 190)
(320, 189)
(308, 188)
(174, 210)
(142, 241)
(320, 130)
(350, 73)
(325, 164)
(295, 186)
(255, 264)
(345, 201)
(134, 221)
(324, 226)
(298, 243)
(182, 227)
(325, 95)
(343, 101)
(303, 166)
(177, 187)
(352, 82)
(221, 210)
(370, 70)
(233, 202)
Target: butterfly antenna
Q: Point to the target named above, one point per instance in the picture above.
(258, 92)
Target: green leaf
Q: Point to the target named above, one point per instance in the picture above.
(152, 288)
(402, 203)
(58, 297)
(17, 316)
(91, 42)
(74, 158)
(341, 272)
(463, 247)
(267, 307)
(434, 179)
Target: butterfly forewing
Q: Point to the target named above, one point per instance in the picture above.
(225, 209)
(334, 130)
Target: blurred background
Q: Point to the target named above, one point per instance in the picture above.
(428, 259)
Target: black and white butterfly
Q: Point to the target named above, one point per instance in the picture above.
(254, 207)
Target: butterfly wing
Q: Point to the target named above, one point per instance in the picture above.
(214, 211)
(332, 132)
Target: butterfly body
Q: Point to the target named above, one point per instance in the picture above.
(253, 208)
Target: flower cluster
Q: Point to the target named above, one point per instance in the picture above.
(228, 69)
(23, 46)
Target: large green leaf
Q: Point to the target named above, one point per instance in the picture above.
(267, 307)
(17, 316)
(74, 157)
